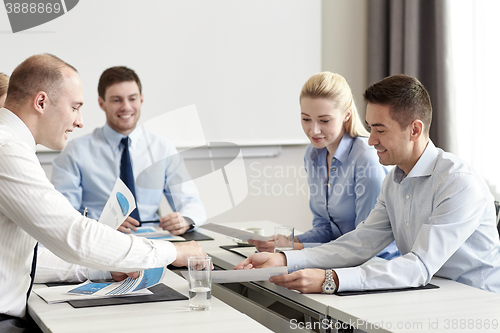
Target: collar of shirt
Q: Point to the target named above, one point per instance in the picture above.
(113, 137)
(424, 166)
(17, 127)
(342, 152)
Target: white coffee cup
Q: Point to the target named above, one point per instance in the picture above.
(255, 230)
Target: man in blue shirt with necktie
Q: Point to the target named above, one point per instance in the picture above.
(86, 170)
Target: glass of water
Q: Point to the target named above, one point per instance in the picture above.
(200, 282)
(283, 238)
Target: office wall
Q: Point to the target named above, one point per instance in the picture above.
(344, 51)
(238, 61)
(345, 43)
(277, 185)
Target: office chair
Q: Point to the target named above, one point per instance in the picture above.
(497, 209)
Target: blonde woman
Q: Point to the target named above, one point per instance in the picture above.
(344, 174)
(4, 84)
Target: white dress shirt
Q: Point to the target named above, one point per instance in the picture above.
(51, 268)
(32, 209)
(442, 217)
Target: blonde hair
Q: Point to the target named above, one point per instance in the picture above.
(334, 87)
(4, 83)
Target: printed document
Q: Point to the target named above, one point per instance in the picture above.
(120, 204)
(92, 290)
(233, 232)
(244, 275)
(151, 231)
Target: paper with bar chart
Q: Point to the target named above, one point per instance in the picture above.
(94, 290)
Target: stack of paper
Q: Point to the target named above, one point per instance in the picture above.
(153, 232)
(244, 275)
(91, 290)
(234, 233)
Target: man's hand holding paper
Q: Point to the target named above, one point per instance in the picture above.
(130, 224)
(305, 280)
(262, 260)
(186, 250)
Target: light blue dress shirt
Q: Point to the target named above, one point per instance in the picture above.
(87, 169)
(442, 217)
(342, 201)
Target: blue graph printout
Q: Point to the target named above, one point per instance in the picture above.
(154, 232)
(146, 279)
(143, 230)
(90, 288)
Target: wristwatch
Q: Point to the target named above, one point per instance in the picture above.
(191, 223)
(329, 285)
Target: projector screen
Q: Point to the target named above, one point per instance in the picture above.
(242, 63)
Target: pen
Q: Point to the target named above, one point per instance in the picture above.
(85, 212)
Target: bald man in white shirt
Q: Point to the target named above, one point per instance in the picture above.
(43, 106)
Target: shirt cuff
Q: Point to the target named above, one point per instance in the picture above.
(301, 238)
(190, 221)
(309, 245)
(166, 251)
(97, 275)
(295, 260)
(349, 279)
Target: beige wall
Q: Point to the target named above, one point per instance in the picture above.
(278, 186)
(345, 43)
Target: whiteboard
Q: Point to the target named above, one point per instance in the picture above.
(241, 62)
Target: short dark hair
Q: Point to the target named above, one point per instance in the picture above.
(41, 72)
(406, 97)
(114, 75)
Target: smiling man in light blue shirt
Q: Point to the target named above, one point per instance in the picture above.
(87, 169)
(435, 206)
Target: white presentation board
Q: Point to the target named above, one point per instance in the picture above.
(241, 62)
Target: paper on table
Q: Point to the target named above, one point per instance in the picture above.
(146, 279)
(233, 232)
(127, 287)
(244, 275)
(120, 204)
(245, 251)
(60, 294)
(153, 232)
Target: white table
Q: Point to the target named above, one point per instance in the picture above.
(454, 307)
(448, 309)
(435, 310)
(171, 316)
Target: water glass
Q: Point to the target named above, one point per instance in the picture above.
(283, 238)
(200, 282)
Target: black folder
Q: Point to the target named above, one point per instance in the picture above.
(196, 236)
(160, 292)
(381, 291)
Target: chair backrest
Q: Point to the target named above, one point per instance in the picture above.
(497, 207)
